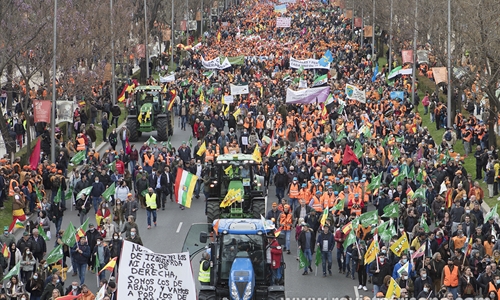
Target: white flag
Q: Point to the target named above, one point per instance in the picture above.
(443, 188)
(405, 267)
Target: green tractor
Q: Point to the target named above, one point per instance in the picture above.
(236, 191)
(149, 112)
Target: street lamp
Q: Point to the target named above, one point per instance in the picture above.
(146, 39)
(113, 82)
(54, 97)
(448, 106)
(414, 71)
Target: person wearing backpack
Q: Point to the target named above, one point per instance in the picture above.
(450, 137)
(468, 284)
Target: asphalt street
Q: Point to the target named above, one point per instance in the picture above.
(174, 223)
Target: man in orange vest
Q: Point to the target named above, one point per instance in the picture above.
(315, 202)
(286, 225)
(450, 278)
(494, 287)
(294, 193)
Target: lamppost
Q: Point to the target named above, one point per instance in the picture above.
(113, 82)
(54, 96)
(390, 42)
(448, 108)
(414, 71)
(146, 39)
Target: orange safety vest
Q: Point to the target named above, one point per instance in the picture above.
(316, 204)
(286, 220)
(149, 160)
(450, 278)
(81, 144)
(305, 194)
(209, 155)
(294, 191)
(11, 187)
(328, 200)
(492, 288)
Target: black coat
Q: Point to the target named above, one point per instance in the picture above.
(384, 270)
(302, 240)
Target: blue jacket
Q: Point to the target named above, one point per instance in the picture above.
(329, 237)
(97, 189)
(80, 258)
(395, 273)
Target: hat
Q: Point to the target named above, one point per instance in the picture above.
(91, 225)
(326, 225)
(356, 195)
(304, 224)
(458, 172)
(336, 193)
(294, 178)
(129, 194)
(54, 271)
(6, 228)
(318, 192)
(304, 184)
(275, 204)
(26, 233)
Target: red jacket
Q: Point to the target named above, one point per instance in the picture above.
(120, 167)
(276, 253)
(339, 238)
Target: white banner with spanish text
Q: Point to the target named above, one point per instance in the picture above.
(215, 63)
(239, 89)
(283, 22)
(307, 64)
(168, 78)
(307, 96)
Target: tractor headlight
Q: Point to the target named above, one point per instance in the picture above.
(248, 292)
(212, 185)
(234, 291)
(215, 181)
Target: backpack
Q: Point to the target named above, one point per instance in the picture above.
(447, 136)
(56, 182)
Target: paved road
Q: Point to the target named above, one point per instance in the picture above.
(174, 223)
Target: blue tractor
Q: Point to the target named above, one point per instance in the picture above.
(239, 252)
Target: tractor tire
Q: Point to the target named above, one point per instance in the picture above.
(207, 295)
(162, 129)
(132, 127)
(275, 296)
(213, 211)
(258, 208)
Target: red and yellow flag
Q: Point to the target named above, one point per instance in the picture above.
(110, 266)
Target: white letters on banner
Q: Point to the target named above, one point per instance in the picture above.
(215, 63)
(353, 92)
(148, 275)
(307, 64)
(168, 78)
(283, 22)
(239, 89)
(307, 96)
(228, 99)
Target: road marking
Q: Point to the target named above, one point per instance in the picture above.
(179, 227)
(356, 292)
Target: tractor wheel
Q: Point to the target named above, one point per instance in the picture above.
(258, 208)
(207, 295)
(276, 296)
(213, 211)
(132, 127)
(161, 129)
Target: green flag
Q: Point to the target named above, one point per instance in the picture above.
(143, 193)
(369, 218)
(42, 233)
(411, 174)
(69, 194)
(85, 191)
(388, 233)
(300, 70)
(339, 206)
(280, 151)
(190, 91)
(303, 262)
(375, 183)
(55, 255)
(78, 158)
(420, 193)
(396, 153)
(185, 82)
(97, 266)
(400, 139)
(391, 210)
(423, 223)
(398, 179)
(112, 166)
(341, 136)
(151, 141)
(109, 192)
(38, 193)
(350, 239)
(208, 74)
(384, 142)
(14, 271)
(421, 177)
(318, 256)
(58, 196)
(169, 144)
(340, 110)
(491, 214)
(68, 237)
(358, 149)
(328, 139)
(190, 142)
(381, 227)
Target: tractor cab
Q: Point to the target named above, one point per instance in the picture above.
(236, 189)
(239, 253)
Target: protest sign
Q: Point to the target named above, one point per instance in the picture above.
(168, 78)
(239, 89)
(398, 95)
(358, 22)
(215, 63)
(148, 275)
(283, 22)
(228, 99)
(400, 72)
(280, 8)
(41, 109)
(287, 1)
(440, 75)
(307, 96)
(368, 30)
(407, 56)
(307, 64)
(64, 111)
(423, 57)
(354, 93)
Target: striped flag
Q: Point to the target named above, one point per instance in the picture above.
(323, 217)
(184, 187)
(80, 232)
(110, 266)
(5, 251)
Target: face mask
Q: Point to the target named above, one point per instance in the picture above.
(492, 240)
(382, 259)
(35, 277)
(426, 290)
(404, 260)
(405, 277)
(28, 252)
(424, 276)
(384, 251)
(115, 237)
(74, 287)
(132, 234)
(498, 281)
(92, 229)
(98, 242)
(6, 233)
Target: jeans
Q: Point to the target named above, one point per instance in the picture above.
(183, 122)
(341, 261)
(58, 224)
(426, 109)
(124, 146)
(376, 288)
(287, 239)
(197, 187)
(81, 269)
(326, 256)
(103, 273)
(149, 212)
(276, 275)
(454, 291)
(83, 217)
(308, 255)
(294, 202)
(280, 193)
(95, 202)
(132, 166)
